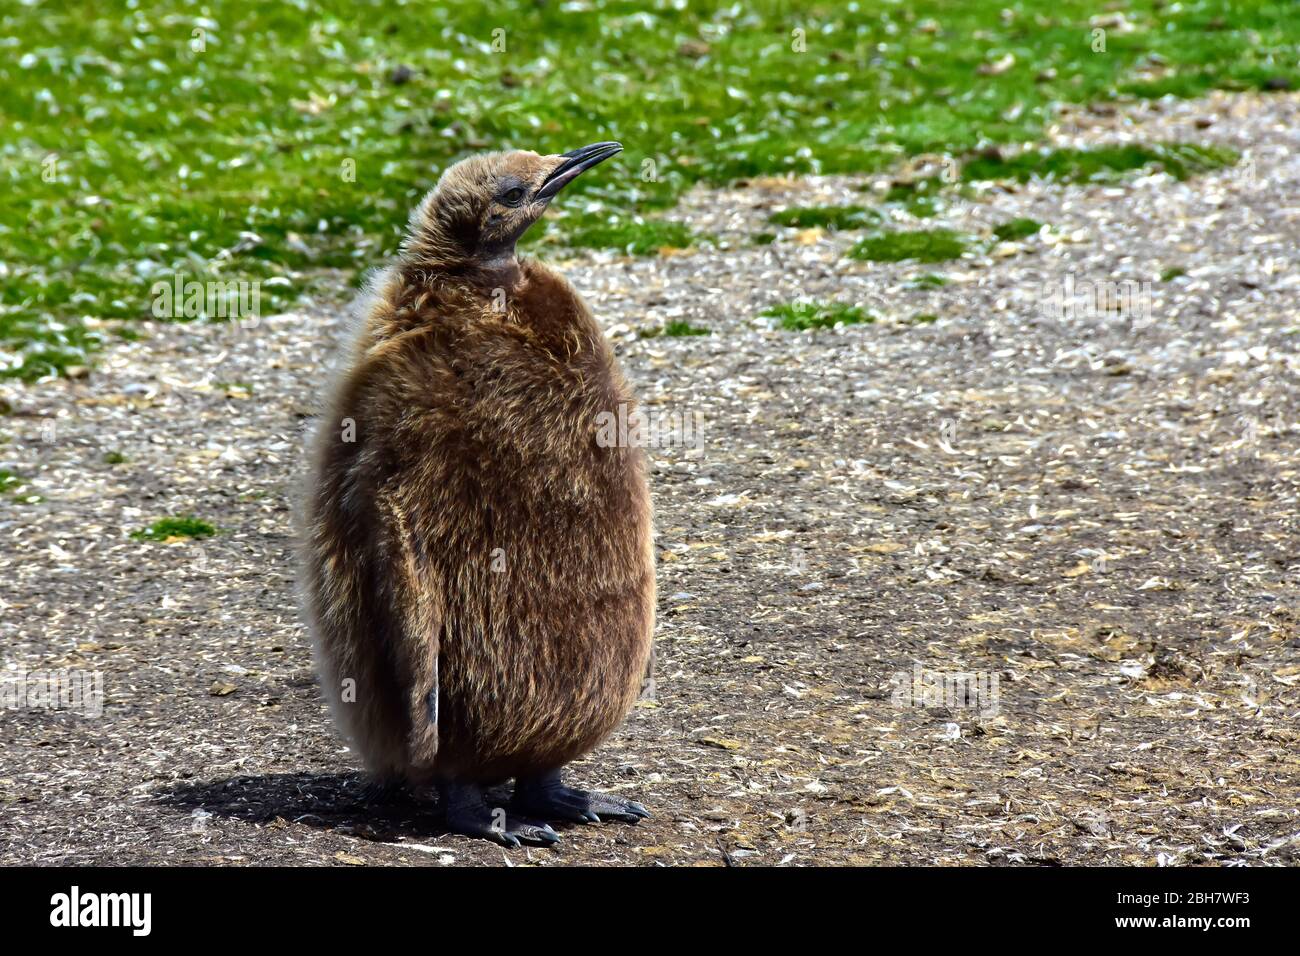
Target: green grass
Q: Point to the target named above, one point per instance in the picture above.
(294, 141)
(923, 245)
(1015, 229)
(930, 280)
(920, 197)
(826, 217)
(801, 316)
(164, 528)
(636, 238)
(1105, 163)
(15, 488)
(677, 328)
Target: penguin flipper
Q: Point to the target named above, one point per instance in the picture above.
(414, 600)
(419, 649)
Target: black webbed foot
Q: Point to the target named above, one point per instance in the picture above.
(547, 798)
(468, 813)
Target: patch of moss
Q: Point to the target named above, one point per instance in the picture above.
(674, 329)
(800, 316)
(825, 217)
(184, 527)
(932, 245)
(764, 238)
(13, 485)
(1185, 85)
(920, 197)
(1170, 274)
(930, 280)
(1017, 229)
(1100, 164)
(642, 237)
(114, 458)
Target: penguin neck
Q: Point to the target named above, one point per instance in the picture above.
(498, 272)
(487, 278)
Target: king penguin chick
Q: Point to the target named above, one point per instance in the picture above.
(477, 567)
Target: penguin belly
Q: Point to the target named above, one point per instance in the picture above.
(543, 654)
(543, 545)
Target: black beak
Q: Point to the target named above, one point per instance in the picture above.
(576, 162)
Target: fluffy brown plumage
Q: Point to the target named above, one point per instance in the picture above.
(478, 572)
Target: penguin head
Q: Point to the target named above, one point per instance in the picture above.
(484, 204)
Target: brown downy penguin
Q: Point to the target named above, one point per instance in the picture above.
(477, 566)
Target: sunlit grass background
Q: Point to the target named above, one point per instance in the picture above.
(248, 139)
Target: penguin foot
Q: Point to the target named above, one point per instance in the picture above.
(548, 798)
(468, 814)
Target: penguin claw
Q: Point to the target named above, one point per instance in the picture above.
(512, 834)
(616, 808)
(552, 800)
(540, 833)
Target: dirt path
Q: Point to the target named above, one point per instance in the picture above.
(1099, 511)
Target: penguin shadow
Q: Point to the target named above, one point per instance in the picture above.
(346, 803)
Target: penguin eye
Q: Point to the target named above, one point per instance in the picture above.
(513, 197)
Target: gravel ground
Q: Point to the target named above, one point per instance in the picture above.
(1095, 515)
